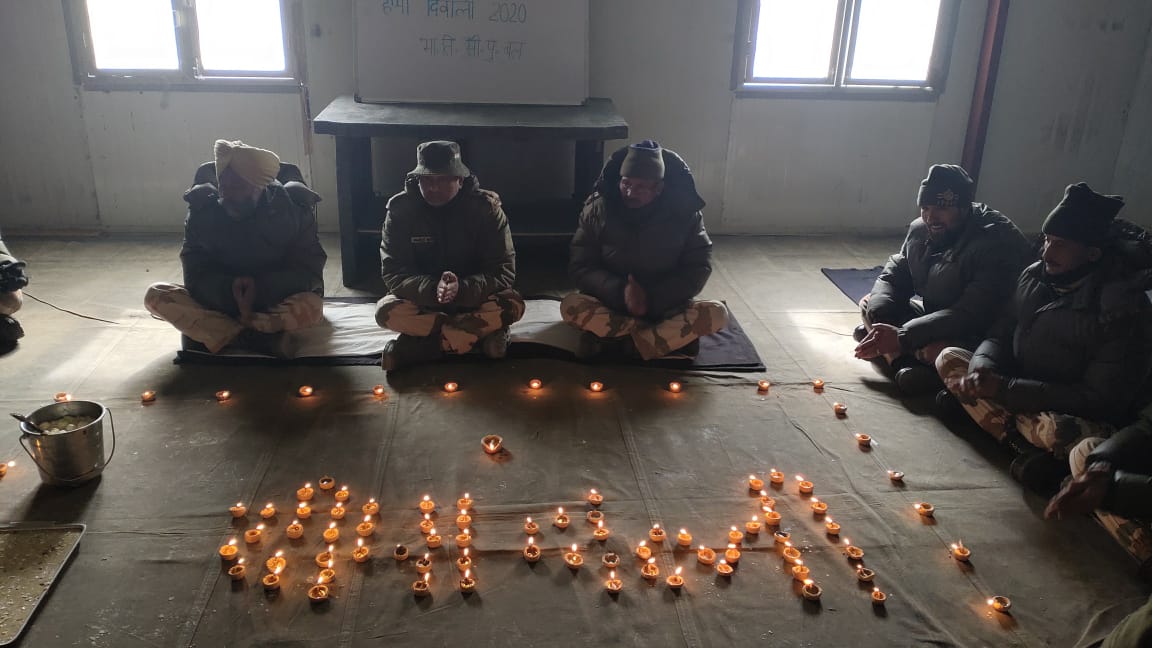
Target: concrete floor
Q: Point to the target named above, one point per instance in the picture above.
(193, 456)
(772, 284)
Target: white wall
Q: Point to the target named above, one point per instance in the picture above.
(1134, 164)
(1074, 101)
(45, 174)
(1067, 78)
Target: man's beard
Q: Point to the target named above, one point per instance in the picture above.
(1071, 276)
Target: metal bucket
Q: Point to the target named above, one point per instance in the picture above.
(73, 457)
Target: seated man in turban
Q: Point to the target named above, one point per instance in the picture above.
(639, 258)
(12, 279)
(1070, 358)
(447, 258)
(253, 264)
(947, 284)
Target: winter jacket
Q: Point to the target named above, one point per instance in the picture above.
(469, 237)
(964, 287)
(1084, 351)
(663, 246)
(277, 245)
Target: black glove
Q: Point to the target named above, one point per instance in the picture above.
(12, 276)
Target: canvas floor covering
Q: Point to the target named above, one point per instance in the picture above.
(147, 573)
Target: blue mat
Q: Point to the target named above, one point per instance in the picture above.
(853, 282)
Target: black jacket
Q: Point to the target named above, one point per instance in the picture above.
(277, 245)
(664, 245)
(964, 287)
(469, 236)
(1084, 352)
(1130, 453)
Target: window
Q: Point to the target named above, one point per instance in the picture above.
(137, 44)
(866, 48)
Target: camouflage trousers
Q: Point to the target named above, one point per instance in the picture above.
(652, 340)
(1135, 537)
(213, 329)
(10, 302)
(459, 331)
(1051, 431)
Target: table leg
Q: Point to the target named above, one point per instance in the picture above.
(589, 160)
(354, 197)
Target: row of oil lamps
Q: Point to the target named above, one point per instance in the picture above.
(532, 553)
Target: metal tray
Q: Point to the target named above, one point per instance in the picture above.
(19, 600)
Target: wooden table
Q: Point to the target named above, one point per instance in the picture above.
(355, 124)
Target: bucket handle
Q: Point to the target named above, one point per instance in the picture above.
(111, 453)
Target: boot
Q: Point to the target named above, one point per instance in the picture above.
(1040, 472)
(495, 345)
(408, 350)
(10, 329)
(918, 380)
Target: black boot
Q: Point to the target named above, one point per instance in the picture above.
(918, 380)
(409, 350)
(1040, 472)
(10, 330)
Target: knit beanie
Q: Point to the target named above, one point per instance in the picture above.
(644, 160)
(1083, 215)
(257, 166)
(947, 185)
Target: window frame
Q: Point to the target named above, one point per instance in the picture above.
(190, 75)
(837, 84)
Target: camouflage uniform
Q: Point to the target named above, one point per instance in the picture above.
(950, 296)
(10, 300)
(469, 237)
(277, 246)
(652, 340)
(173, 304)
(1135, 536)
(663, 246)
(1052, 431)
(459, 331)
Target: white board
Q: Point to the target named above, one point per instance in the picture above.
(472, 51)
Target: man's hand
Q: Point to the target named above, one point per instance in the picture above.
(448, 287)
(244, 292)
(635, 298)
(882, 340)
(981, 383)
(1083, 494)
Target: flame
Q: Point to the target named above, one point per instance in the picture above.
(683, 531)
(240, 562)
(678, 570)
(280, 553)
(332, 525)
(651, 561)
(799, 477)
(574, 549)
(232, 542)
(527, 520)
(655, 526)
(593, 491)
(530, 543)
(612, 574)
(259, 527)
(308, 485)
(560, 511)
(359, 542)
(467, 573)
